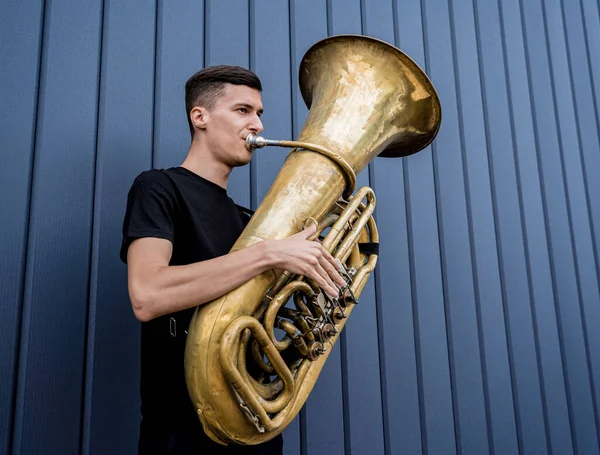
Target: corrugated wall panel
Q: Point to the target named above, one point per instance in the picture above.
(433, 375)
(590, 23)
(227, 34)
(52, 350)
(364, 427)
(465, 334)
(523, 305)
(124, 149)
(575, 345)
(457, 283)
(179, 54)
(270, 59)
(589, 144)
(478, 332)
(559, 228)
(494, 281)
(308, 24)
(21, 37)
(405, 427)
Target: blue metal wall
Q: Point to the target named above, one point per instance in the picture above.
(480, 332)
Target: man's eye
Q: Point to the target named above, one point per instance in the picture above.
(243, 110)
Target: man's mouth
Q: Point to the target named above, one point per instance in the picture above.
(250, 151)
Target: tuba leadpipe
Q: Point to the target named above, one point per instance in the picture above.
(366, 98)
(254, 142)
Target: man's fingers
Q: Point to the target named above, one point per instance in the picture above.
(329, 287)
(327, 255)
(318, 274)
(309, 230)
(319, 264)
(331, 266)
(333, 274)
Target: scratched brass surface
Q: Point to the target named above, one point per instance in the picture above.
(366, 98)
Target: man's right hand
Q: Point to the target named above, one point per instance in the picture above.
(300, 255)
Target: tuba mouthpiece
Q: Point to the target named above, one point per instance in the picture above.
(255, 142)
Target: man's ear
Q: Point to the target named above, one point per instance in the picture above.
(199, 117)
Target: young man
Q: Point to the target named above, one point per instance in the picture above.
(178, 230)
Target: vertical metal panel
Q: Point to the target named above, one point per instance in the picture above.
(179, 54)
(124, 148)
(343, 17)
(589, 139)
(270, 60)
(227, 42)
(399, 344)
(51, 363)
(559, 228)
(507, 249)
(308, 24)
(529, 408)
(575, 345)
(378, 21)
(323, 423)
(466, 335)
(363, 426)
(454, 241)
(588, 123)
(591, 26)
(427, 313)
(20, 35)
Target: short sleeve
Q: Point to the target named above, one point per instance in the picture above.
(151, 208)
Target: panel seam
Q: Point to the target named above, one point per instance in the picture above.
(569, 219)
(155, 88)
(468, 203)
(548, 246)
(252, 169)
(294, 119)
(423, 416)
(588, 204)
(587, 51)
(20, 332)
(377, 284)
(493, 194)
(89, 332)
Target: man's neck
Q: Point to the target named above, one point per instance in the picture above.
(203, 164)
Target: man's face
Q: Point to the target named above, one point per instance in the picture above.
(235, 114)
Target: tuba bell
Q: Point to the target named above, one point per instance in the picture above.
(253, 356)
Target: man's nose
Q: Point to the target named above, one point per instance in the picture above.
(256, 126)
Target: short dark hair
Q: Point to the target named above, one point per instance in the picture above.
(205, 87)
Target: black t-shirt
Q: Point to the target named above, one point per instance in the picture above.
(202, 223)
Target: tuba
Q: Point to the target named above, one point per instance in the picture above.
(253, 356)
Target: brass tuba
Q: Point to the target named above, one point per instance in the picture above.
(253, 356)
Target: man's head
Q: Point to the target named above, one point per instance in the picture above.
(206, 86)
(224, 106)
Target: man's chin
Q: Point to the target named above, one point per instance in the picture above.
(242, 161)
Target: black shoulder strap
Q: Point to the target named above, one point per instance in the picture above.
(245, 210)
(369, 248)
(245, 214)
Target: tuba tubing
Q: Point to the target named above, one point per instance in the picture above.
(366, 98)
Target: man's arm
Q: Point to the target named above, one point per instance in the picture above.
(156, 288)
